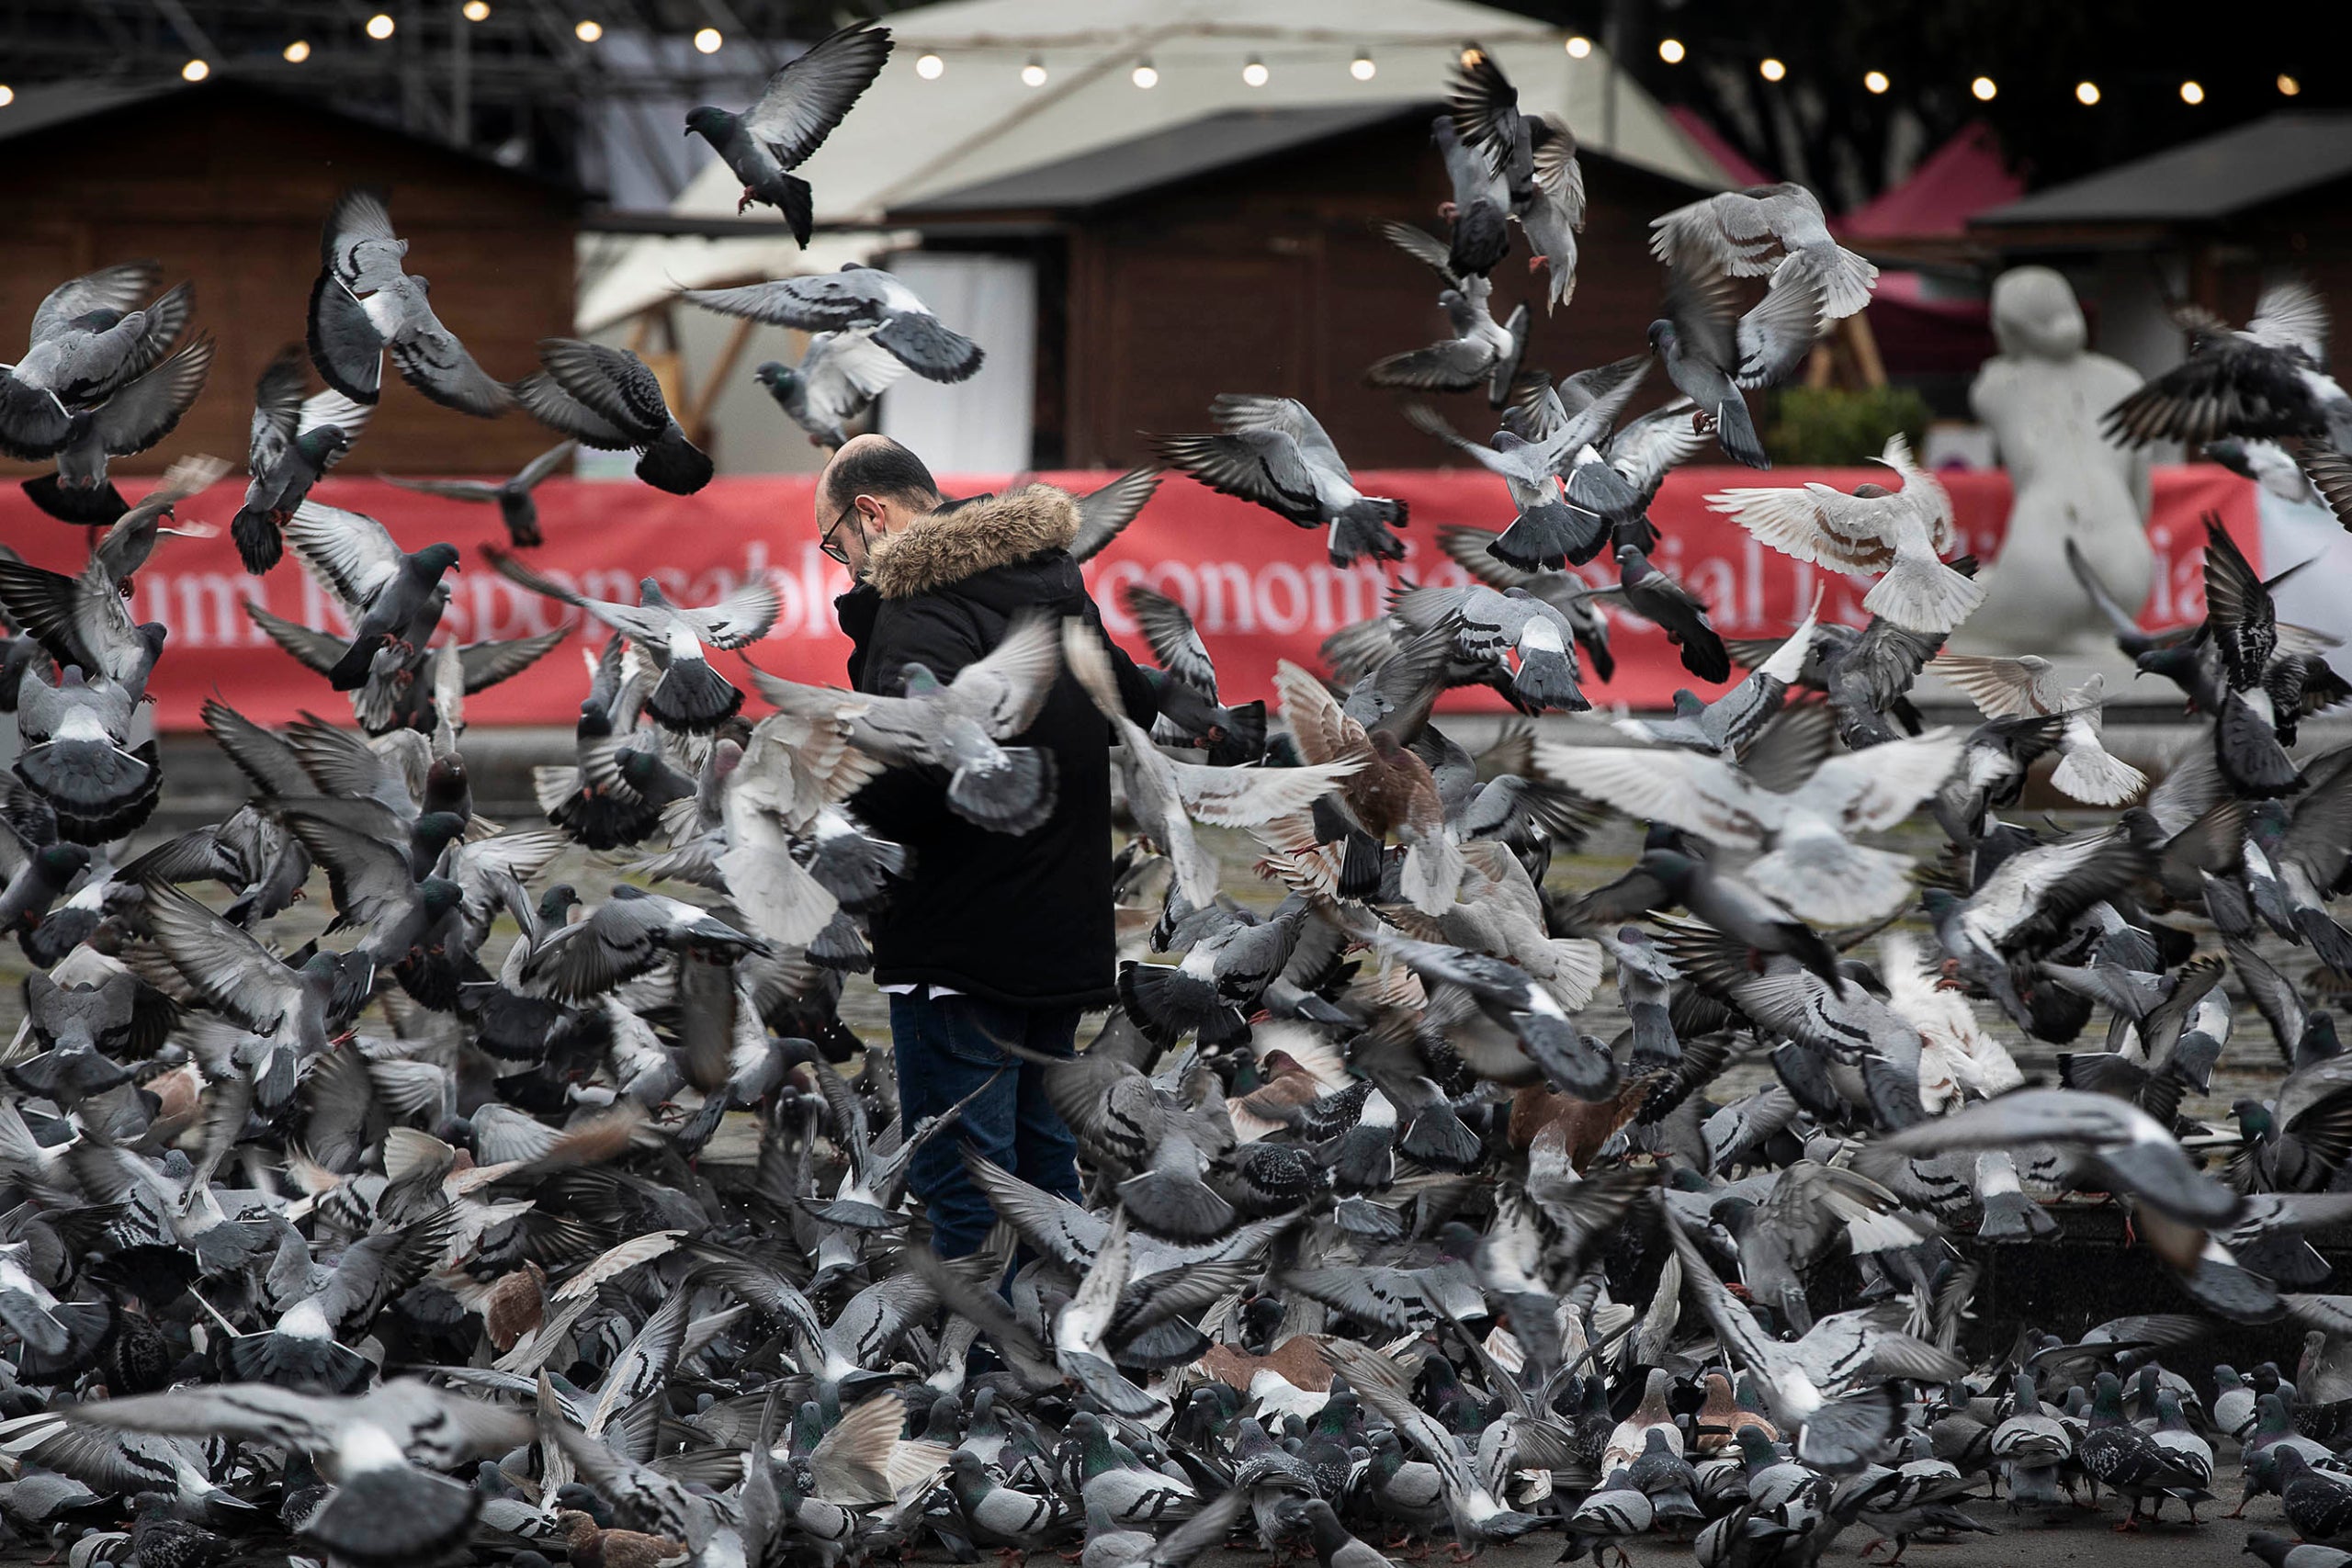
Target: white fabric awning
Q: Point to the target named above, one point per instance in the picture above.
(909, 138)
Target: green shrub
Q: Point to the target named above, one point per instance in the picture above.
(1831, 427)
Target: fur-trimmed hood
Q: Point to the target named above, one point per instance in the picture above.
(945, 548)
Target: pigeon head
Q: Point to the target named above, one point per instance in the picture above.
(435, 559)
(1661, 337)
(1673, 869)
(579, 1499)
(919, 680)
(433, 830)
(558, 901)
(711, 121)
(322, 445)
(62, 863)
(776, 376)
(2254, 1117)
(439, 895)
(1871, 491)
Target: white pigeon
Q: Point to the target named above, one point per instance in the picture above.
(1768, 230)
(2012, 688)
(1901, 534)
(1810, 864)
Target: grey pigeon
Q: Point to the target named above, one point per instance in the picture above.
(1479, 208)
(1775, 230)
(956, 727)
(1661, 598)
(689, 694)
(295, 441)
(130, 419)
(1710, 352)
(381, 1448)
(364, 305)
(2269, 379)
(1271, 451)
(796, 111)
(855, 297)
(89, 338)
(513, 497)
(1535, 157)
(1484, 621)
(839, 374)
(607, 399)
(1481, 352)
(382, 588)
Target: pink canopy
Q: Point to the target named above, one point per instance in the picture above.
(1964, 176)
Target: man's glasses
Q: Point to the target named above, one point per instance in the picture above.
(829, 541)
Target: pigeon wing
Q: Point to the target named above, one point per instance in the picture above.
(807, 97)
(1102, 513)
(351, 553)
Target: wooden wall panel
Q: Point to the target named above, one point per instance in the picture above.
(237, 205)
(1270, 277)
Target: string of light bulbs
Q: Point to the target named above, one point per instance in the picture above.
(931, 65)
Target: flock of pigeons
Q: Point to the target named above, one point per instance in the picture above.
(401, 1244)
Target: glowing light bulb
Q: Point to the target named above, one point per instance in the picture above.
(1144, 76)
(2287, 85)
(296, 52)
(477, 10)
(2192, 93)
(1876, 81)
(1670, 51)
(7, 94)
(1255, 73)
(930, 67)
(1578, 47)
(1772, 70)
(195, 70)
(2086, 93)
(1984, 89)
(588, 30)
(380, 26)
(1361, 68)
(708, 40)
(1033, 73)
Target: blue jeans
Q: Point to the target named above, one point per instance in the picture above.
(945, 1048)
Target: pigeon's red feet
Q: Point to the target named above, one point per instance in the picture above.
(741, 205)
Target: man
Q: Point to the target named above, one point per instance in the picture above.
(993, 939)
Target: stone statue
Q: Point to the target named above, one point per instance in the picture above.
(2042, 396)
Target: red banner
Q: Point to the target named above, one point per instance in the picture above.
(1259, 589)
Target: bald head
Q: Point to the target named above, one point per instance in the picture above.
(873, 487)
(878, 467)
